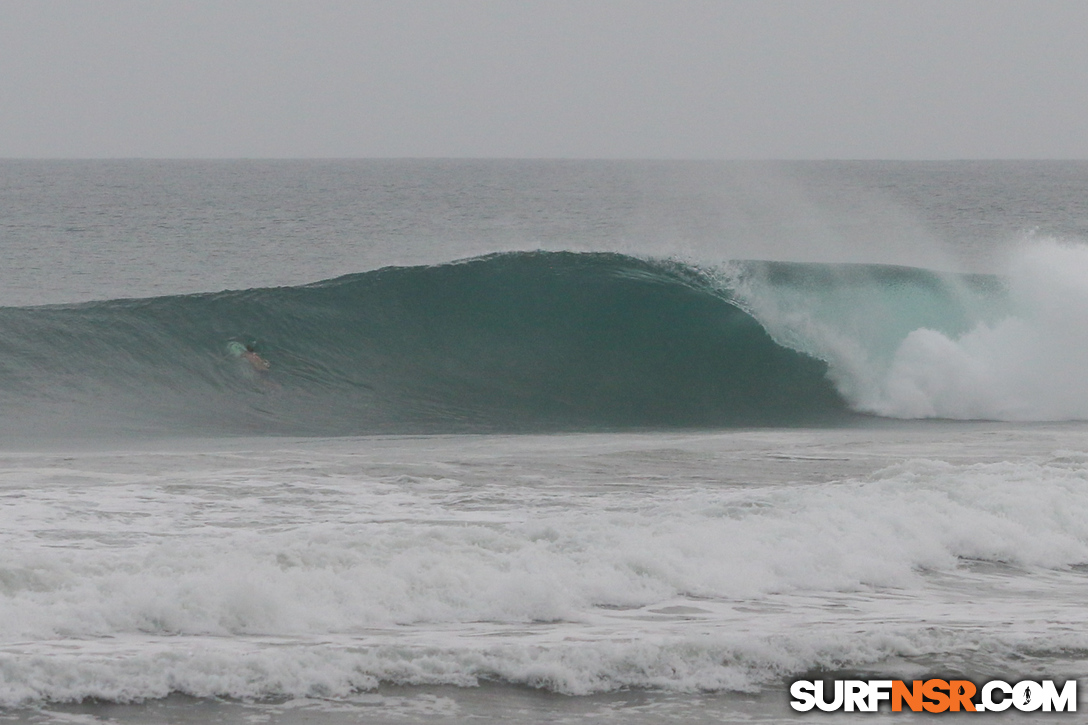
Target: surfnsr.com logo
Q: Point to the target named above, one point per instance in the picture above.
(934, 696)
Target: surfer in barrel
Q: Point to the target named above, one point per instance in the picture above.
(247, 353)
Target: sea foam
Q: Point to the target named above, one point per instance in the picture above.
(288, 575)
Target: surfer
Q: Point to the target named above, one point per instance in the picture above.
(259, 363)
(247, 353)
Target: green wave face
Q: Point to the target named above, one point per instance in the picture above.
(509, 342)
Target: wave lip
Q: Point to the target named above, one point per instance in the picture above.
(507, 342)
(913, 343)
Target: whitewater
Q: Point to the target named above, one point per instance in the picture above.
(538, 441)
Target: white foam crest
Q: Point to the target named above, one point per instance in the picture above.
(306, 574)
(206, 668)
(1029, 366)
(739, 662)
(418, 555)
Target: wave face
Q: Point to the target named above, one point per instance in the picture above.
(508, 342)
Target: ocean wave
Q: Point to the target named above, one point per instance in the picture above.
(508, 342)
(539, 341)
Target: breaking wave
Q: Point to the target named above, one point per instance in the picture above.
(538, 341)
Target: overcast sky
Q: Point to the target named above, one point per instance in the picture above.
(520, 78)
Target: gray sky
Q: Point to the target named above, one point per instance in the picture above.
(522, 78)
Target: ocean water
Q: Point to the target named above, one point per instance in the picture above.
(535, 441)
